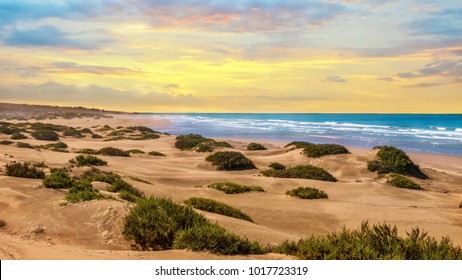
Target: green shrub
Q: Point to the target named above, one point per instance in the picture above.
(58, 179)
(89, 160)
(154, 222)
(214, 239)
(46, 135)
(277, 166)
(139, 180)
(86, 131)
(204, 147)
(104, 128)
(376, 166)
(397, 161)
(299, 144)
(156, 154)
(6, 130)
(110, 151)
(302, 172)
(379, 242)
(23, 170)
(233, 188)
(125, 195)
(82, 191)
(60, 146)
(142, 129)
(47, 126)
(115, 133)
(135, 151)
(256, 147)
(6, 142)
(189, 141)
(146, 136)
(307, 193)
(2, 223)
(403, 182)
(96, 136)
(18, 136)
(223, 144)
(230, 161)
(320, 150)
(286, 247)
(87, 151)
(120, 185)
(24, 145)
(214, 206)
(72, 132)
(95, 174)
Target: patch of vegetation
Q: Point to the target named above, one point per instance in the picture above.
(215, 239)
(307, 193)
(213, 206)
(53, 146)
(223, 144)
(23, 170)
(110, 151)
(46, 135)
(120, 185)
(115, 133)
(139, 180)
(403, 182)
(229, 160)
(6, 142)
(392, 159)
(299, 144)
(24, 145)
(47, 126)
(142, 129)
(18, 136)
(87, 151)
(460, 205)
(189, 141)
(105, 128)
(233, 188)
(256, 147)
(86, 131)
(204, 147)
(128, 196)
(82, 191)
(376, 242)
(277, 166)
(2, 223)
(72, 132)
(320, 150)
(96, 136)
(6, 130)
(88, 160)
(302, 172)
(146, 136)
(58, 179)
(135, 151)
(95, 174)
(117, 138)
(156, 154)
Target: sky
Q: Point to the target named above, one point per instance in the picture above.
(307, 56)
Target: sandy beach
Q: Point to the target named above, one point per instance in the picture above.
(40, 226)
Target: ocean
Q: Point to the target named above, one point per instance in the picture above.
(411, 132)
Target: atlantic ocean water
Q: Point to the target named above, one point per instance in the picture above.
(411, 132)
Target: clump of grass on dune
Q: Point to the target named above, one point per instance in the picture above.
(160, 224)
(115, 152)
(391, 159)
(299, 144)
(213, 206)
(403, 182)
(199, 143)
(320, 150)
(6, 142)
(307, 193)
(156, 154)
(302, 172)
(24, 170)
(95, 174)
(230, 160)
(120, 185)
(57, 147)
(58, 179)
(376, 242)
(18, 136)
(87, 151)
(46, 135)
(135, 151)
(2, 223)
(72, 132)
(233, 188)
(277, 166)
(256, 147)
(83, 191)
(24, 145)
(88, 160)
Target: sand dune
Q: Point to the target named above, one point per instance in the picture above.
(40, 226)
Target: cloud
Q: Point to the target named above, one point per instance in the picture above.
(335, 79)
(448, 68)
(93, 95)
(445, 23)
(385, 79)
(50, 36)
(72, 67)
(423, 85)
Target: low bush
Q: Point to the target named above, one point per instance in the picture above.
(58, 179)
(6, 130)
(72, 132)
(110, 151)
(57, 147)
(215, 239)
(86, 131)
(82, 191)
(2, 223)
(87, 151)
(139, 180)
(233, 188)
(156, 154)
(120, 185)
(204, 147)
(256, 147)
(18, 136)
(142, 129)
(24, 170)
(299, 144)
(89, 160)
(223, 144)
(320, 150)
(94, 174)
(307, 193)
(128, 196)
(460, 205)
(46, 135)
(189, 141)
(115, 133)
(302, 172)
(230, 161)
(146, 136)
(377, 242)
(376, 166)
(47, 126)
(6, 142)
(277, 166)
(392, 159)
(154, 222)
(24, 145)
(135, 151)
(96, 136)
(403, 182)
(213, 206)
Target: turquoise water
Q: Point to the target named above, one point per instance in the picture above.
(411, 132)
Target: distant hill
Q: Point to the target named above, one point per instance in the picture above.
(41, 112)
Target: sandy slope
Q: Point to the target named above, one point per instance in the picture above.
(39, 226)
